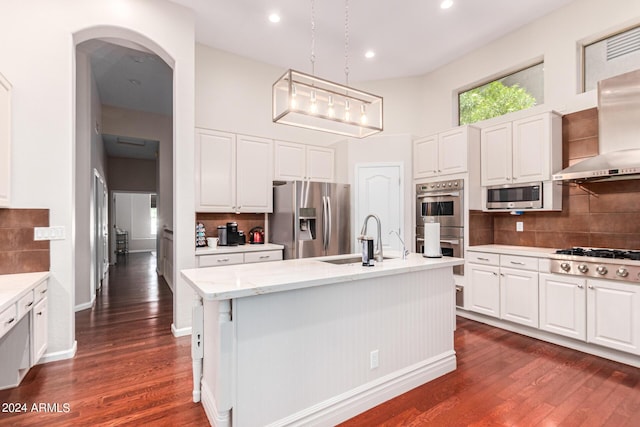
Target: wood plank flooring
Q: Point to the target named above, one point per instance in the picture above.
(130, 370)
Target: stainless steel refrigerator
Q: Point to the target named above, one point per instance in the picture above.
(311, 218)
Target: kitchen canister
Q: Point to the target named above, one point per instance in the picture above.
(367, 251)
(432, 240)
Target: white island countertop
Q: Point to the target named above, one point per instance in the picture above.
(15, 286)
(243, 280)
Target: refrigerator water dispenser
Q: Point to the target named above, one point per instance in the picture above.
(307, 225)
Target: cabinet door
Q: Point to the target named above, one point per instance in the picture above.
(452, 151)
(290, 161)
(254, 174)
(495, 155)
(215, 171)
(563, 305)
(613, 315)
(5, 142)
(40, 326)
(485, 289)
(425, 157)
(320, 164)
(519, 296)
(531, 147)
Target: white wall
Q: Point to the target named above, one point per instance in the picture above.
(37, 56)
(132, 214)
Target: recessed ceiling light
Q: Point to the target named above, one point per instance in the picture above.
(446, 4)
(369, 54)
(274, 17)
(135, 82)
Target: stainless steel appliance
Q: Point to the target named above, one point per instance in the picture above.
(311, 218)
(527, 196)
(443, 202)
(598, 263)
(618, 133)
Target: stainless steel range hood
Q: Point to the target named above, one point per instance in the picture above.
(619, 133)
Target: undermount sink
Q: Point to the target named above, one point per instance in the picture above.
(350, 260)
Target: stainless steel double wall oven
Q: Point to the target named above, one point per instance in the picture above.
(442, 202)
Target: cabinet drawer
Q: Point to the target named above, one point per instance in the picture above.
(40, 291)
(262, 256)
(219, 260)
(483, 258)
(8, 319)
(24, 304)
(521, 262)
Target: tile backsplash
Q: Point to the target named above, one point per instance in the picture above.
(19, 253)
(603, 214)
(246, 221)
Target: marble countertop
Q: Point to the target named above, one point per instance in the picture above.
(242, 280)
(15, 286)
(514, 250)
(238, 249)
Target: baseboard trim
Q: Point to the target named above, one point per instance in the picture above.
(209, 404)
(86, 305)
(59, 355)
(180, 332)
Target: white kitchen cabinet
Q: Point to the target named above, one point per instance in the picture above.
(233, 172)
(563, 305)
(5, 142)
(519, 296)
(39, 335)
(299, 162)
(484, 287)
(525, 150)
(445, 153)
(227, 256)
(613, 315)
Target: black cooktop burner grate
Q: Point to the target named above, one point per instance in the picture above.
(601, 253)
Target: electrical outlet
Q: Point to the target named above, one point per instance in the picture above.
(48, 233)
(519, 226)
(373, 359)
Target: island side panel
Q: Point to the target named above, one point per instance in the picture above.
(304, 356)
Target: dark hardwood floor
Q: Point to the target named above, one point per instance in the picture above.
(130, 370)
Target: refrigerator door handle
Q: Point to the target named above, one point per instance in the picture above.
(329, 222)
(324, 223)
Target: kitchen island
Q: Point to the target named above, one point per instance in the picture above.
(309, 342)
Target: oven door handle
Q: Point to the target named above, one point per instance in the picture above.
(432, 195)
(420, 239)
(455, 242)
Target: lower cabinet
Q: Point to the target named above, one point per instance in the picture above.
(219, 260)
(484, 295)
(519, 296)
(39, 339)
(613, 315)
(563, 305)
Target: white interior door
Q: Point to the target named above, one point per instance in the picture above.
(379, 191)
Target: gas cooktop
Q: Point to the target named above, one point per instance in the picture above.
(617, 264)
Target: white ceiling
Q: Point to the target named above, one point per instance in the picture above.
(410, 37)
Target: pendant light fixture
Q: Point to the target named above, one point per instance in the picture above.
(304, 100)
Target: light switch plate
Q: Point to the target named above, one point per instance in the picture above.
(48, 233)
(519, 226)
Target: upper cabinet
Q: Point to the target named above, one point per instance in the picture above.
(445, 153)
(521, 151)
(299, 162)
(233, 172)
(5, 142)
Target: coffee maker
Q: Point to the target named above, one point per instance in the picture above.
(233, 236)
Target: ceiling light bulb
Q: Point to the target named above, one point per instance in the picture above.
(347, 113)
(369, 54)
(330, 110)
(363, 114)
(446, 4)
(313, 108)
(293, 102)
(274, 17)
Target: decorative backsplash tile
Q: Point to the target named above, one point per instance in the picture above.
(600, 214)
(246, 221)
(19, 253)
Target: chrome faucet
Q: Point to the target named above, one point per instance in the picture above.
(378, 251)
(405, 252)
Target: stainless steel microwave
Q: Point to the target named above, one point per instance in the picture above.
(522, 196)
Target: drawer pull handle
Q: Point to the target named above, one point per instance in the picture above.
(517, 263)
(223, 260)
(494, 273)
(580, 286)
(10, 321)
(265, 256)
(29, 305)
(44, 291)
(483, 259)
(39, 313)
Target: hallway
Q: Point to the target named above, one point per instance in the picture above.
(129, 369)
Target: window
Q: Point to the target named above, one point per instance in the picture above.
(616, 54)
(154, 215)
(514, 92)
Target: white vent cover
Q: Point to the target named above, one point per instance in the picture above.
(623, 44)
